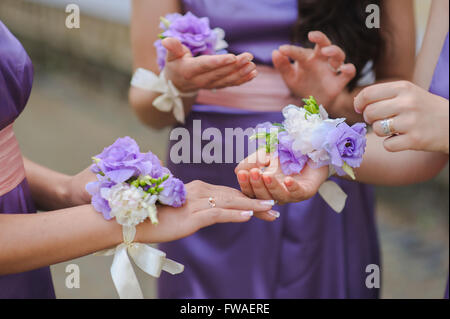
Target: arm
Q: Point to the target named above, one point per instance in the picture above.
(52, 190)
(29, 241)
(186, 72)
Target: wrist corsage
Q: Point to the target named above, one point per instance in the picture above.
(130, 185)
(194, 33)
(308, 136)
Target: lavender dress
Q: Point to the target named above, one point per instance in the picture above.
(439, 84)
(16, 78)
(310, 252)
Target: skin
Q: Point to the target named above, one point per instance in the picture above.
(29, 241)
(408, 159)
(311, 74)
(187, 73)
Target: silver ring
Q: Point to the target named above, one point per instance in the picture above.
(212, 202)
(388, 127)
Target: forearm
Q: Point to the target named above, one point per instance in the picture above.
(49, 189)
(142, 103)
(381, 167)
(30, 241)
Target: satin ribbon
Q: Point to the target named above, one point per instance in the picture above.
(333, 195)
(170, 98)
(152, 261)
(12, 171)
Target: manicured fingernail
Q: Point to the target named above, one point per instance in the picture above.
(247, 213)
(230, 59)
(253, 74)
(242, 178)
(267, 202)
(267, 180)
(288, 182)
(255, 176)
(249, 68)
(274, 213)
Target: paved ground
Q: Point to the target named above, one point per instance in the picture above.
(70, 118)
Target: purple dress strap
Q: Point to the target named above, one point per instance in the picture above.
(440, 86)
(16, 78)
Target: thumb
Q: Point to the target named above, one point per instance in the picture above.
(175, 50)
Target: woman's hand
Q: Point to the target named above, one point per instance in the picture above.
(320, 72)
(418, 119)
(190, 73)
(75, 188)
(230, 206)
(271, 183)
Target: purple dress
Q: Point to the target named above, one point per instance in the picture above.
(310, 251)
(439, 84)
(16, 78)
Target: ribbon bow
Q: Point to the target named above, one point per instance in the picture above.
(170, 98)
(150, 260)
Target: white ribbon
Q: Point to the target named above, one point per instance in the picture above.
(333, 195)
(150, 260)
(170, 98)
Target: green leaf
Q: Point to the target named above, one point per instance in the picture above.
(165, 22)
(349, 170)
(311, 105)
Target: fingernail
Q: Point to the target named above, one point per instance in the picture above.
(242, 177)
(230, 59)
(255, 176)
(274, 213)
(243, 62)
(267, 179)
(267, 202)
(247, 213)
(247, 69)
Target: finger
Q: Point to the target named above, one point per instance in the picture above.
(375, 93)
(175, 49)
(212, 216)
(235, 78)
(244, 183)
(296, 53)
(398, 143)
(207, 63)
(276, 189)
(334, 53)
(307, 184)
(229, 201)
(282, 64)
(258, 184)
(380, 110)
(220, 73)
(256, 160)
(399, 125)
(321, 41)
(269, 216)
(348, 71)
(294, 188)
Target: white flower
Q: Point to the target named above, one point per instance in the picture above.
(130, 205)
(221, 44)
(301, 127)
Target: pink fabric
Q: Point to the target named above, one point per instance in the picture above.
(266, 93)
(12, 171)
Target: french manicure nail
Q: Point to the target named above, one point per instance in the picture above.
(274, 213)
(267, 202)
(247, 213)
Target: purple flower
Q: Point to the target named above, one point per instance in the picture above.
(174, 193)
(346, 144)
(123, 160)
(193, 32)
(100, 204)
(292, 162)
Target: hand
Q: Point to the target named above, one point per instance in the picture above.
(312, 71)
(420, 119)
(231, 207)
(76, 193)
(190, 73)
(273, 184)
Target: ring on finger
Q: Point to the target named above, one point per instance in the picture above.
(212, 202)
(387, 126)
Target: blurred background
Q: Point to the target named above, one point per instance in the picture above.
(79, 105)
